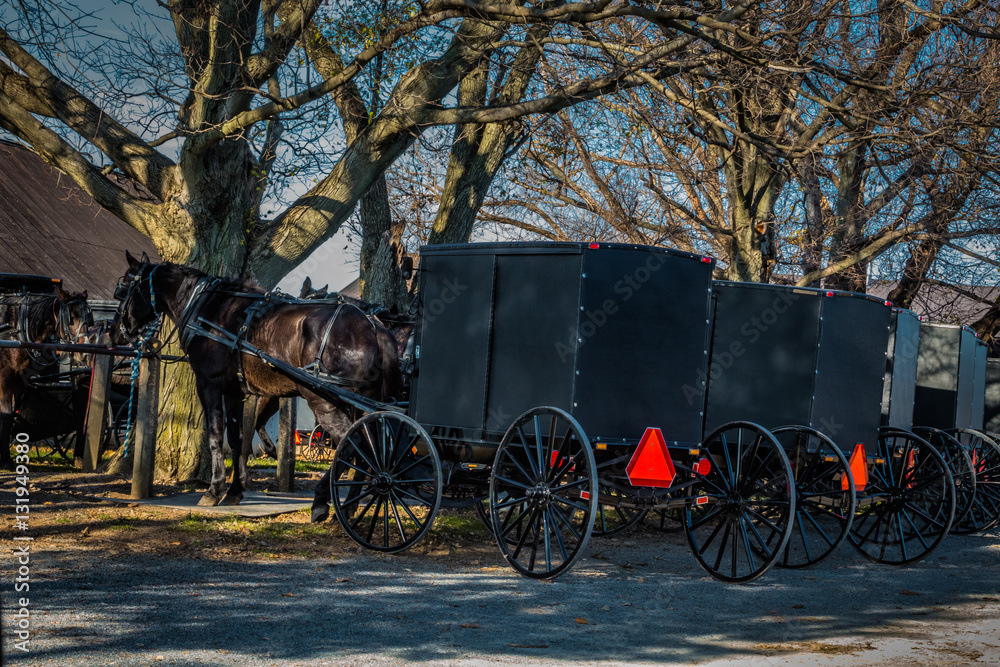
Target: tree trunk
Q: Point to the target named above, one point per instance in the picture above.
(382, 280)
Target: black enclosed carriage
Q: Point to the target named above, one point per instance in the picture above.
(559, 386)
(831, 373)
(950, 395)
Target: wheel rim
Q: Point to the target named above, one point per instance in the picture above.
(543, 493)
(959, 462)
(824, 495)
(984, 452)
(744, 524)
(909, 503)
(386, 482)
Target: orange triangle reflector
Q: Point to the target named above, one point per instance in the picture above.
(859, 469)
(651, 464)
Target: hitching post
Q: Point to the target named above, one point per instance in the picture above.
(146, 422)
(286, 445)
(97, 406)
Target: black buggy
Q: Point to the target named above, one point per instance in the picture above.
(561, 388)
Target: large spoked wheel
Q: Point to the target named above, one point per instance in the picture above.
(959, 462)
(824, 495)
(543, 493)
(909, 503)
(386, 482)
(984, 451)
(739, 515)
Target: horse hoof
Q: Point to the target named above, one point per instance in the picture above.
(232, 500)
(320, 514)
(208, 501)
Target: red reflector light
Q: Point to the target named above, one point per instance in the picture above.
(701, 500)
(298, 438)
(585, 495)
(651, 464)
(595, 246)
(703, 467)
(829, 293)
(706, 260)
(889, 303)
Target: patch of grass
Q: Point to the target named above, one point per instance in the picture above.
(195, 523)
(64, 520)
(455, 526)
(122, 524)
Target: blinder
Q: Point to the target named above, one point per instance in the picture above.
(143, 311)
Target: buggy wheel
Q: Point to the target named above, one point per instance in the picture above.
(386, 482)
(824, 495)
(739, 515)
(613, 518)
(909, 503)
(543, 493)
(984, 452)
(959, 462)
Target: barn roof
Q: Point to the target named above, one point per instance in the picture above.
(50, 227)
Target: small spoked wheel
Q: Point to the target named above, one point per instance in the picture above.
(386, 482)
(909, 503)
(543, 493)
(738, 518)
(959, 462)
(984, 452)
(824, 495)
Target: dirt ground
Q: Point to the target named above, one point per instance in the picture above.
(133, 585)
(73, 507)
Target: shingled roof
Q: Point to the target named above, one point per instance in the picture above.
(50, 227)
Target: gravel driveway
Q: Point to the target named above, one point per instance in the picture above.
(635, 599)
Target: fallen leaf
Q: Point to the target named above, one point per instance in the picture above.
(85, 530)
(288, 595)
(342, 580)
(470, 625)
(175, 544)
(908, 592)
(582, 621)
(640, 580)
(797, 606)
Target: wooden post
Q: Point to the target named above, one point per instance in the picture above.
(146, 416)
(97, 407)
(287, 418)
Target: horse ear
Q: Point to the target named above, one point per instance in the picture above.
(306, 287)
(61, 293)
(145, 258)
(133, 263)
(83, 295)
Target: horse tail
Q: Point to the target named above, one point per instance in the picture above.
(389, 363)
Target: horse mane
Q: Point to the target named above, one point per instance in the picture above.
(225, 284)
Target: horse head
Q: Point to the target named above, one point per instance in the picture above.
(74, 317)
(135, 294)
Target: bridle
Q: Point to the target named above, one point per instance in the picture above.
(126, 291)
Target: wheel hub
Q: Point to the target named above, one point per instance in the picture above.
(540, 492)
(383, 481)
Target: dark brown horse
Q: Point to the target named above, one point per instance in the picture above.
(343, 343)
(37, 318)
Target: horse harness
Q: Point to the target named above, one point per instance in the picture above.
(192, 325)
(20, 330)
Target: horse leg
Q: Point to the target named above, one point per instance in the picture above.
(8, 406)
(241, 449)
(336, 422)
(211, 402)
(6, 428)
